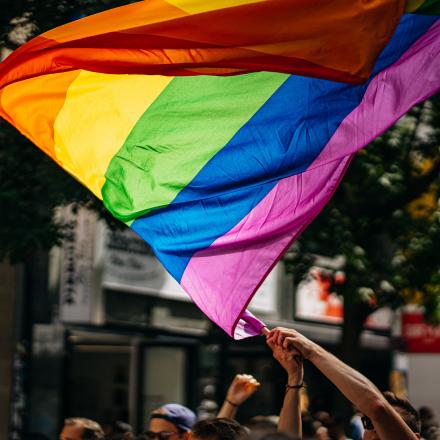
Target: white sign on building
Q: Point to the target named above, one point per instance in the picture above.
(130, 265)
(77, 283)
(95, 258)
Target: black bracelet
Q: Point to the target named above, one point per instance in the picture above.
(231, 403)
(294, 387)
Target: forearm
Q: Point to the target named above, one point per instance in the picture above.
(364, 395)
(356, 387)
(227, 410)
(241, 388)
(290, 415)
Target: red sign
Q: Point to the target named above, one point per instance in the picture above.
(419, 337)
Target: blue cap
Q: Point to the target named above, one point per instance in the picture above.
(177, 414)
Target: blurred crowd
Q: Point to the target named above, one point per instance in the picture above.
(376, 416)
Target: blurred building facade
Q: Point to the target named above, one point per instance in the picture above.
(112, 336)
(8, 288)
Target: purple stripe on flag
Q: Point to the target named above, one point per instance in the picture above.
(248, 252)
(242, 258)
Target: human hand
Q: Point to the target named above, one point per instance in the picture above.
(241, 388)
(291, 360)
(287, 337)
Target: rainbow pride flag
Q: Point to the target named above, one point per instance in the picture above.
(219, 174)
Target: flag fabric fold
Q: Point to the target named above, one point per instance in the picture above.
(337, 40)
(219, 174)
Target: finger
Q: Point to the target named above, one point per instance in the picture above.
(280, 338)
(271, 344)
(265, 331)
(272, 334)
(275, 336)
(289, 342)
(276, 353)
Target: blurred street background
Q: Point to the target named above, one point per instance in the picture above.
(92, 325)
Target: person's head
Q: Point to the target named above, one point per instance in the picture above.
(260, 426)
(170, 422)
(81, 429)
(321, 416)
(431, 433)
(408, 413)
(120, 431)
(426, 414)
(35, 436)
(322, 433)
(309, 428)
(219, 429)
(335, 427)
(277, 436)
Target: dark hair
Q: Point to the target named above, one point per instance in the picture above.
(431, 433)
(277, 436)
(309, 426)
(219, 429)
(262, 422)
(91, 429)
(260, 426)
(335, 425)
(425, 412)
(35, 436)
(408, 413)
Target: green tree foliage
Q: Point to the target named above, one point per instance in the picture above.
(32, 186)
(385, 220)
(37, 16)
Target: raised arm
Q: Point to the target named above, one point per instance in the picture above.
(290, 415)
(241, 388)
(356, 387)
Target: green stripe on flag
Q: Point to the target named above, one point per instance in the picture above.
(191, 120)
(429, 7)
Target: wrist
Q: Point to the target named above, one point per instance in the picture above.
(294, 387)
(294, 379)
(232, 402)
(316, 353)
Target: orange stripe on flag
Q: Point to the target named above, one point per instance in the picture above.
(117, 19)
(32, 106)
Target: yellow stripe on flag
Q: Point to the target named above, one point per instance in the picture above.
(99, 113)
(200, 6)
